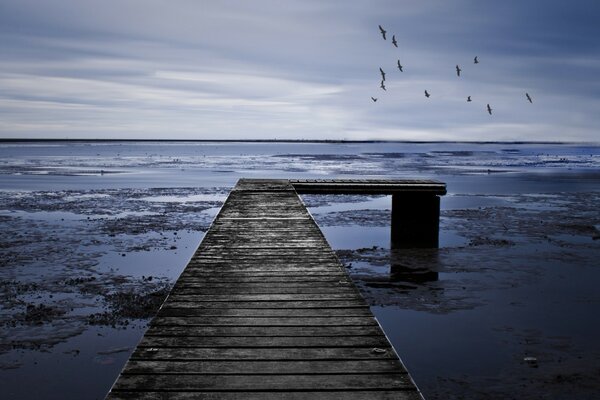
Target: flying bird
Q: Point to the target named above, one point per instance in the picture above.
(383, 86)
(400, 66)
(382, 32)
(382, 74)
(394, 41)
(489, 109)
(528, 97)
(458, 70)
(427, 94)
(475, 60)
(374, 99)
(468, 98)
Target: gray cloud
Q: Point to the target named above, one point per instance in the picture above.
(299, 69)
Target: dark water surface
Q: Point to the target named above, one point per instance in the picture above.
(94, 234)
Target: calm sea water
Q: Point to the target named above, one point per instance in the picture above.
(512, 309)
(224, 162)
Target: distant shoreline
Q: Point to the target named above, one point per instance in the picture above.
(17, 140)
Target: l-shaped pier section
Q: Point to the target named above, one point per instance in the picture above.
(265, 310)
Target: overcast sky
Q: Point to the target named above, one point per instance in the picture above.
(263, 69)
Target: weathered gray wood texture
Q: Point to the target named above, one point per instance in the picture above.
(264, 310)
(369, 186)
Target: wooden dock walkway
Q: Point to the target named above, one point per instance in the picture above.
(264, 310)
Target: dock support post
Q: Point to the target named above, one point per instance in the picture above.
(415, 220)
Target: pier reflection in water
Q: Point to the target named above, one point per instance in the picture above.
(414, 265)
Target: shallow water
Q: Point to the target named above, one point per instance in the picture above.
(506, 308)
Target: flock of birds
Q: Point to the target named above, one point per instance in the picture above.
(400, 67)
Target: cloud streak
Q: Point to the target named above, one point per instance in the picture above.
(303, 70)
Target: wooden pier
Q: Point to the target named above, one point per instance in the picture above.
(264, 310)
(415, 205)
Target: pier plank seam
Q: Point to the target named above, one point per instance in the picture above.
(264, 310)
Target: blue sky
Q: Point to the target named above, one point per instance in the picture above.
(238, 69)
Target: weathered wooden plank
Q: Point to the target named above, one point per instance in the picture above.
(262, 256)
(249, 290)
(265, 382)
(270, 279)
(265, 297)
(334, 282)
(260, 249)
(282, 263)
(264, 312)
(265, 331)
(257, 256)
(229, 272)
(263, 321)
(262, 285)
(367, 187)
(279, 395)
(289, 305)
(257, 354)
(289, 263)
(256, 341)
(385, 366)
(263, 270)
(257, 246)
(273, 268)
(270, 228)
(273, 265)
(269, 250)
(281, 228)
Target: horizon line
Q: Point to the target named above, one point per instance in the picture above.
(333, 141)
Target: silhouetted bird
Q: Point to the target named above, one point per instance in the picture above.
(394, 41)
(383, 86)
(374, 99)
(382, 32)
(475, 60)
(400, 66)
(427, 94)
(458, 70)
(528, 97)
(489, 109)
(382, 74)
(468, 98)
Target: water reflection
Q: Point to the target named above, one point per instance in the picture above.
(414, 265)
